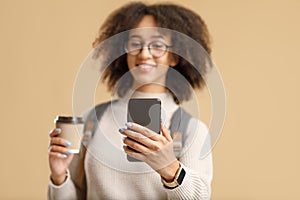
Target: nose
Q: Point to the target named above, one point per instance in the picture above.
(145, 52)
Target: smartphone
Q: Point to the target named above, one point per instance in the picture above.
(145, 112)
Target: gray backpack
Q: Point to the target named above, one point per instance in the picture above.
(178, 128)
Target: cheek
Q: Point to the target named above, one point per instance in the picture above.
(172, 59)
(130, 62)
(166, 59)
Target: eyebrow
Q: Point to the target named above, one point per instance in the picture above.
(152, 37)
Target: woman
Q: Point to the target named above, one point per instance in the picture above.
(147, 64)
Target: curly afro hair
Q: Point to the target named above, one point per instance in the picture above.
(168, 16)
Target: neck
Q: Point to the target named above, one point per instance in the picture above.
(151, 88)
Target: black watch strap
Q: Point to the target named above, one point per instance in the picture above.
(178, 181)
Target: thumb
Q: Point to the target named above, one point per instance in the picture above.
(166, 133)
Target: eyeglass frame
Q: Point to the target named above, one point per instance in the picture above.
(148, 47)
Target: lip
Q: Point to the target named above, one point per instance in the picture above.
(144, 63)
(145, 67)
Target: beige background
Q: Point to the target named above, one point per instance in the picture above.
(255, 46)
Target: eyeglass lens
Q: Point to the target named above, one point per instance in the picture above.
(156, 48)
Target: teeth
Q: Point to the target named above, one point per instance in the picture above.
(145, 66)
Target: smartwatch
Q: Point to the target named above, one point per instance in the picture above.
(177, 180)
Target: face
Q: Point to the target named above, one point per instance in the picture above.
(150, 63)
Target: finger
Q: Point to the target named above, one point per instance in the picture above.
(59, 149)
(166, 133)
(136, 136)
(134, 154)
(59, 141)
(55, 132)
(136, 146)
(57, 155)
(144, 141)
(143, 130)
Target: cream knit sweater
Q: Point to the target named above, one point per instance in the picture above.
(110, 176)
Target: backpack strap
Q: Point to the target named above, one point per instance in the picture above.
(93, 119)
(77, 165)
(178, 128)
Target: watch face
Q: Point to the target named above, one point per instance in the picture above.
(181, 176)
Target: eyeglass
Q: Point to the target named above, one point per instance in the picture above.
(156, 48)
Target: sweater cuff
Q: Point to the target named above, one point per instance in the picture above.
(192, 187)
(65, 191)
(51, 184)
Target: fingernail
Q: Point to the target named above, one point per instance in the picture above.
(68, 143)
(70, 152)
(121, 130)
(64, 156)
(128, 124)
(58, 130)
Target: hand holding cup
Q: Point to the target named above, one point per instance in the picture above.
(65, 141)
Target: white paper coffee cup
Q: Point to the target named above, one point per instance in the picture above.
(71, 130)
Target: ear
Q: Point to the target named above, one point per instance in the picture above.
(173, 60)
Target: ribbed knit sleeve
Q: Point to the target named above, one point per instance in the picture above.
(197, 181)
(65, 191)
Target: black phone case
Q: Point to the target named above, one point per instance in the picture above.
(145, 112)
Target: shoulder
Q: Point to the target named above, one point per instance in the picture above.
(197, 138)
(197, 125)
(197, 131)
(98, 109)
(192, 124)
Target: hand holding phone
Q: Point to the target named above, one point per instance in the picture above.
(143, 144)
(145, 112)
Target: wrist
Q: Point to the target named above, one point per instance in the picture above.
(179, 176)
(58, 179)
(169, 172)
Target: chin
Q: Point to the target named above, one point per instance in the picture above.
(148, 79)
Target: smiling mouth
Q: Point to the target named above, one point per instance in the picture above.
(145, 67)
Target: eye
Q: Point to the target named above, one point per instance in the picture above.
(157, 45)
(134, 44)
